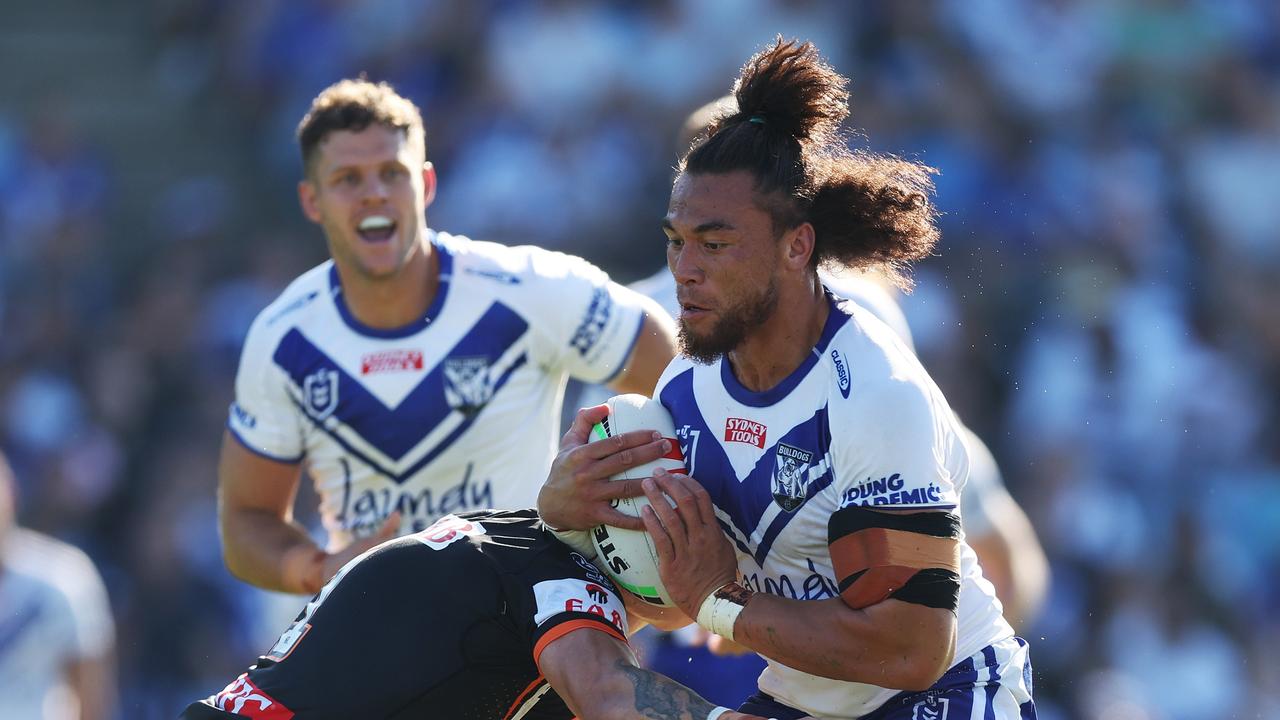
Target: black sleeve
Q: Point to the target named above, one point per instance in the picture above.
(566, 593)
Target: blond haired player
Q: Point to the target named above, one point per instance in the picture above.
(416, 373)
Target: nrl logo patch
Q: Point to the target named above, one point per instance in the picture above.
(790, 476)
(934, 708)
(320, 393)
(467, 387)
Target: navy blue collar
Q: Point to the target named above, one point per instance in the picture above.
(446, 274)
(835, 320)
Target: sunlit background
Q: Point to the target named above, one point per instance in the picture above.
(1104, 308)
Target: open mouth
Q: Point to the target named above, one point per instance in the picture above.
(376, 228)
(689, 310)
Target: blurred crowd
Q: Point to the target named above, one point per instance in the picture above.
(1104, 310)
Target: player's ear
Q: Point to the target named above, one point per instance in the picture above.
(798, 245)
(428, 183)
(307, 199)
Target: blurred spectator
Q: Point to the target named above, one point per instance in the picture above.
(57, 636)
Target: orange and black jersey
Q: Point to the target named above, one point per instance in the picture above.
(447, 622)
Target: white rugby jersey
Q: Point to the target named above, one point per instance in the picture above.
(53, 611)
(858, 423)
(661, 286)
(457, 411)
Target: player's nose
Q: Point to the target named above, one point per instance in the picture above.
(684, 266)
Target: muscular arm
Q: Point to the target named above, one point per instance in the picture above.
(655, 347)
(92, 680)
(598, 677)
(892, 644)
(261, 544)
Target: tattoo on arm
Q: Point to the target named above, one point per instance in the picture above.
(660, 698)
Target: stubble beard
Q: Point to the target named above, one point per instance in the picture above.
(733, 327)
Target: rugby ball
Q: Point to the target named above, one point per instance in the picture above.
(628, 556)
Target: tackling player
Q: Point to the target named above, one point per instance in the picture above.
(482, 616)
(416, 373)
(815, 440)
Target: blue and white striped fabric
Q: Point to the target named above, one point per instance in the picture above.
(992, 684)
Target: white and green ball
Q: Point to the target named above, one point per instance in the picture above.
(628, 556)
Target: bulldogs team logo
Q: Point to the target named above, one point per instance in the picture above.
(931, 708)
(467, 385)
(320, 393)
(790, 476)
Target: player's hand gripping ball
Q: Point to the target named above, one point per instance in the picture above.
(628, 556)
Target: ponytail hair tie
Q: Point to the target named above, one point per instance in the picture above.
(756, 119)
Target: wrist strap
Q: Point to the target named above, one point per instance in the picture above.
(717, 712)
(579, 540)
(720, 610)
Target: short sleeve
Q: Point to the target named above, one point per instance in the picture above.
(576, 596)
(898, 449)
(585, 323)
(263, 417)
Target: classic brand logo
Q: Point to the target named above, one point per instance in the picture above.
(320, 393)
(745, 431)
(790, 476)
(391, 361)
(842, 373)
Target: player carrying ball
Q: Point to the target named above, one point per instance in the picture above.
(818, 524)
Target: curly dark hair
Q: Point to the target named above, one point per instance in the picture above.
(354, 104)
(867, 209)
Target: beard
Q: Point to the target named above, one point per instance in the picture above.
(736, 321)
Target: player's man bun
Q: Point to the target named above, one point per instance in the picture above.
(867, 209)
(791, 91)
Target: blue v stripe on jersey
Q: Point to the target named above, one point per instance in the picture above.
(443, 445)
(396, 432)
(836, 319)
(745, 500)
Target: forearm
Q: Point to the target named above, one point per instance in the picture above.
(639, 694)
(93, 682)
(892, 644)
(264, 550)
